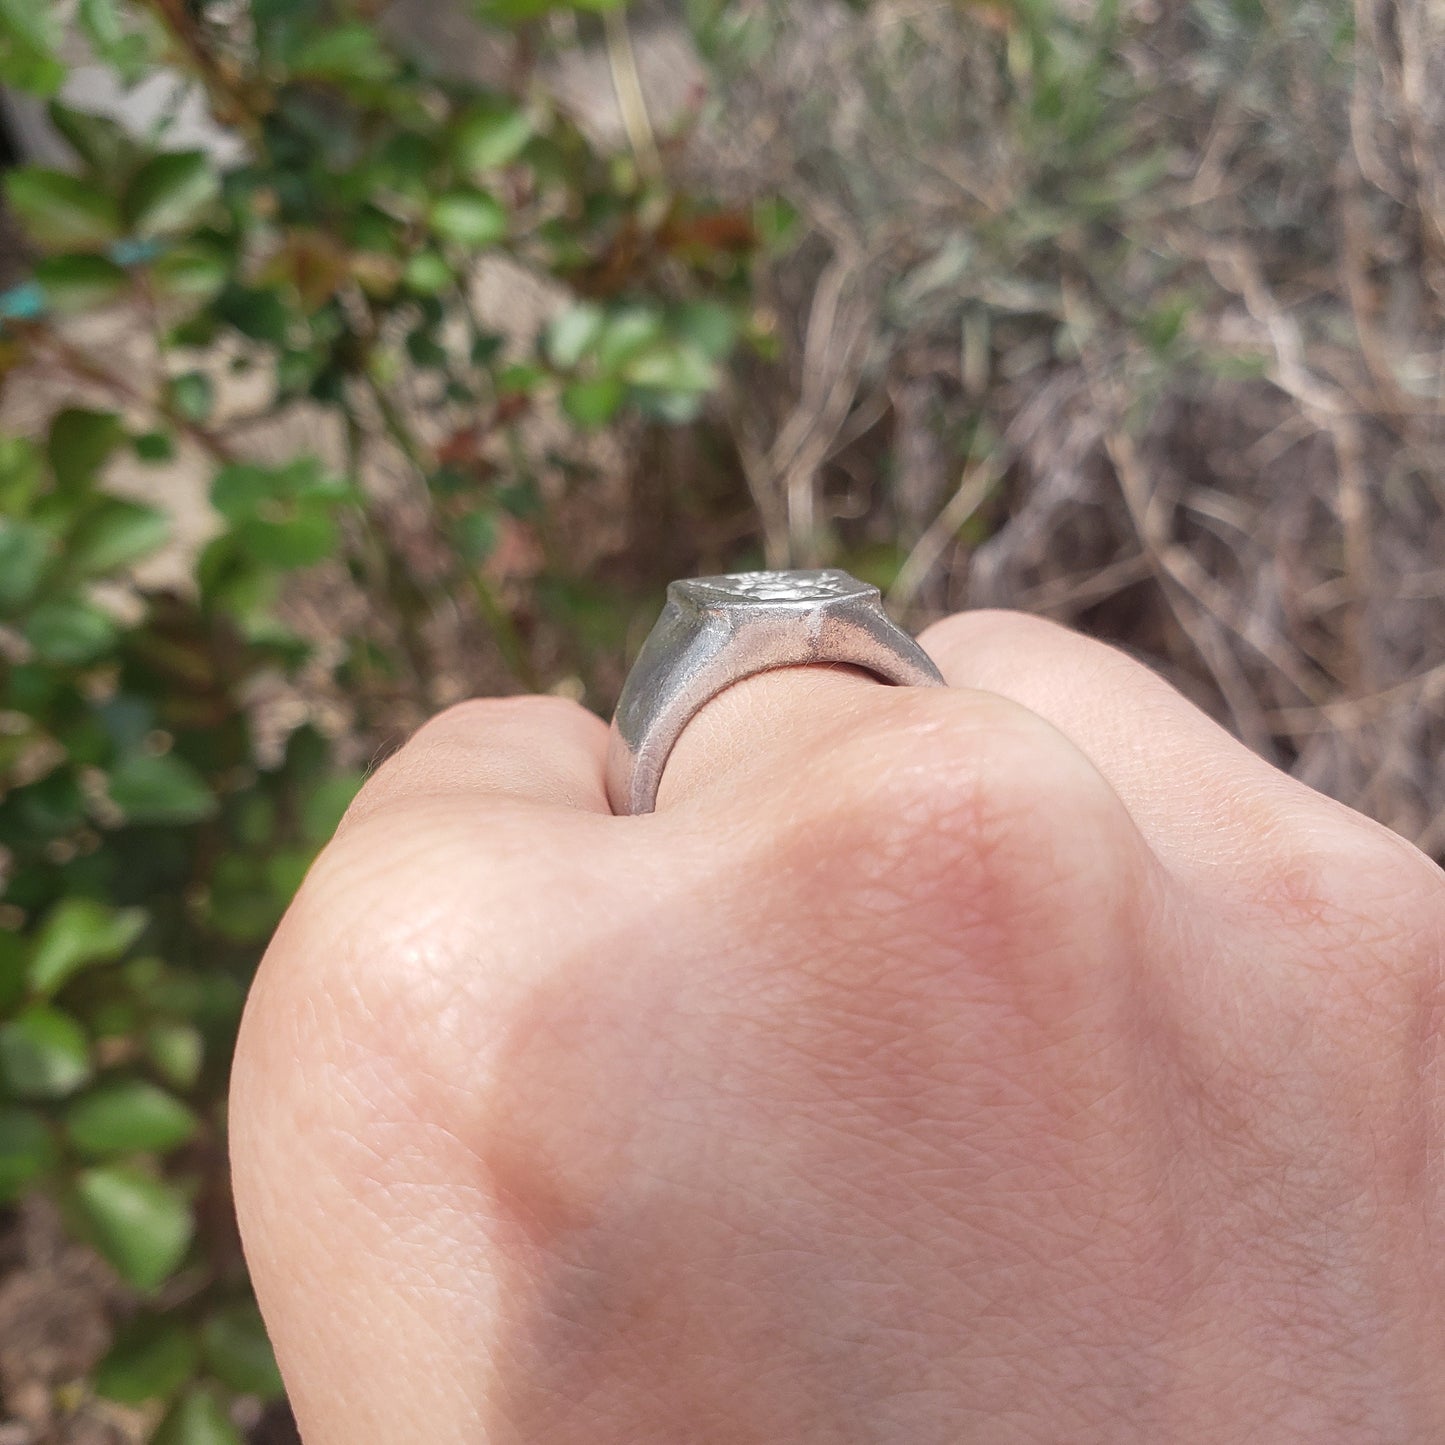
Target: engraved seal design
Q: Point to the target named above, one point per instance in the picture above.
(823, 585)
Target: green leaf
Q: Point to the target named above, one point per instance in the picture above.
(61, 211)
(237, 1351)
(81, 281)
(301, 541)
(323, 810)
(102, 25)
(573, 334)
(44, 1054)
(14, 968)
(594, 403)
(27, 1151)
(113, 1018)
(515, 12)
(53, 806)
(193, 395)
(124, 49)
(96, 139)
(69, 632)
(475, 534)
(778, 224)
(24, 551)
(469, 218)
(245, 490)
(144, 974)
(22, 474)
(489, 136)
(671, 366)
(197, 1419)
(151, 1359)
(519, 12)
(190, 273)
(240, 490)
(628, 332)
(242, 905)
(128, 1117)
(348, 52)
(424, 349)
(177, 1051)
(78, 932)
(285, 872)
(141, 1224)
(260, 314)
(519, 379)
(1162, 325)
(171, 193)
(28, 42)
(711, 328)
(155, 447)
(115, 534)
(80, 443)
(163, 789)
(672, 408)
(427, 273)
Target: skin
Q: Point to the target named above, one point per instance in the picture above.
(1019, 1062)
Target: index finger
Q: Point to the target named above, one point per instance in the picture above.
(545, 751)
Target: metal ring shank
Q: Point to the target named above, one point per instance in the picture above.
(689, 660)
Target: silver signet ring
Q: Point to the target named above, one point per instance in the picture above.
(715, 631)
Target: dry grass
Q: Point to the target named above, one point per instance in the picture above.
(1136, 323)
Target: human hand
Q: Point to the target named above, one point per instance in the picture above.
(1019, 1062)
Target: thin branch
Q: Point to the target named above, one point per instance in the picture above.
(501, 622)
(85, 368)
(978, 482)
(631, 99)
(233, 102)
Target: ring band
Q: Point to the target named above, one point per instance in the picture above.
(715, 631)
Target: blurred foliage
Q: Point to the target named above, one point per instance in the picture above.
(150, 836)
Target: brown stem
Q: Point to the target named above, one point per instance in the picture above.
(232, 101)
(501, 622)
(87, 369)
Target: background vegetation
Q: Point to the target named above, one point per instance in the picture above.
(460, 331)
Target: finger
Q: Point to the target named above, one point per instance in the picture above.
(541, 750)
(740, 731)
(469, 864)
(1197, 794)
(913, 822)
(806, 744)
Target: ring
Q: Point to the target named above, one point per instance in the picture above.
(715, 631)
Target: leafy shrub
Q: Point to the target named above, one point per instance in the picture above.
(151, 834)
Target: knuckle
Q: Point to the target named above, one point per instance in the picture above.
(396, 931)
(962, 847)
(961, 915)
(1343, 884)
(961, 787)
(350, 949)
(1357, 915)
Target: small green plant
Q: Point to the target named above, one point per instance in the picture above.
(152, 826)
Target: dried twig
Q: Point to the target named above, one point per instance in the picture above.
(979, 480)
(631, 98)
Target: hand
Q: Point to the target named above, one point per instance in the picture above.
(1019, 1062)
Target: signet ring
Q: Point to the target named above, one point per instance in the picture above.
(715, 631)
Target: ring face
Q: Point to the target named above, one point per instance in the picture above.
(715, 631)
(827, 585)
